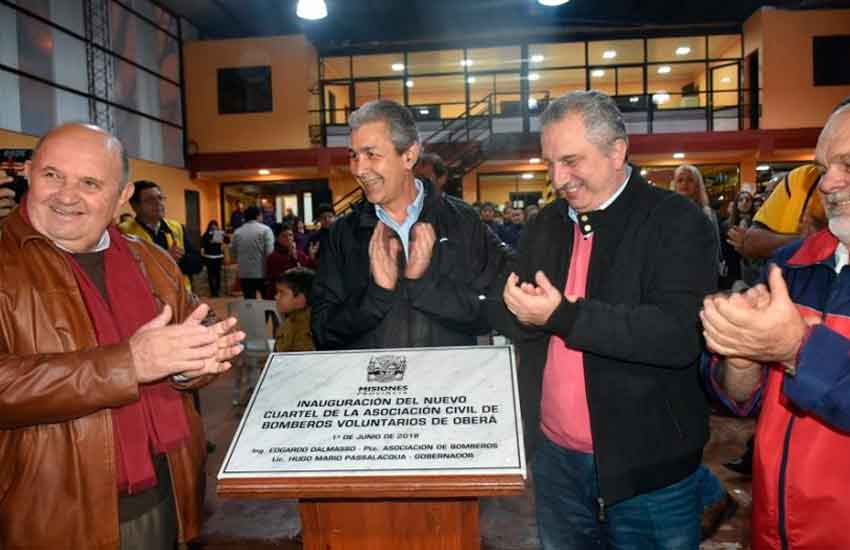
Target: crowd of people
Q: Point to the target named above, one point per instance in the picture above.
(609, 293)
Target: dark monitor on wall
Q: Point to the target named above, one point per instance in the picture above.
(245, 90)
(830, 56)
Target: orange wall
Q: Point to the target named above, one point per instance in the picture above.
(789, 98)
(173, 181)
(293, 62)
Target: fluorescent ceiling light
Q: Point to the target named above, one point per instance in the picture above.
(311, 9)
(678, 155)
(597, 73)
(725, 80)
(264, 172)
(409, 84)
(533, 76)
(661, 97)
(471, 80)
(683, 50)
(398, 67)
(609, 54)
(534, 160)
(532, 103)
(552, 2)
(424, 111)
(537, 58)
(466, 62)
(664, 69)
(634, 99)
(528, 176)
(762, 168)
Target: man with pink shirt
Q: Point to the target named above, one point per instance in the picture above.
(603, 307)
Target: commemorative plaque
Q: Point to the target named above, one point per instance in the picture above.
(390, 412)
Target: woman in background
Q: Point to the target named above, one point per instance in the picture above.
(212, 254)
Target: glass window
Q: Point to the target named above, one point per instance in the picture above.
(445, 93)
(443, 61)
(51, 54)
(556, 55)
(725, 46)
(724, 83)
(603, 79)
(553, 84)
(629, 81)
(336, 104)
(378, 89)
(686, 48)
(143, 43)
(489, 59)
(336, 67)
(615, 52)
(677, 85)
(384, 64)
(508, 94)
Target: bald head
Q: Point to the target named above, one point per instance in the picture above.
(77, 185)
(112, 145)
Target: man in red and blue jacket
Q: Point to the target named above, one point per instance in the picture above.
(785, 345)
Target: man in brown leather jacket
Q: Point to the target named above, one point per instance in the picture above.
(100, 446)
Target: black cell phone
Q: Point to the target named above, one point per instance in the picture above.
(12, 162)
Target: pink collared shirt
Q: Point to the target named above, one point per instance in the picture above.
(565, 418)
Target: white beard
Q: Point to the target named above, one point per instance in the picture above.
(840, 227)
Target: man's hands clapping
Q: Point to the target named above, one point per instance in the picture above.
(159, 350)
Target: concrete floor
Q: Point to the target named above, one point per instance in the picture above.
(506, 523)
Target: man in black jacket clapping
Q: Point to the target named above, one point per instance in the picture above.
(408, 265)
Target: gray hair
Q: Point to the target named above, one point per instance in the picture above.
(398, 119)
(111, 140)
(602, 119)
(703, 194)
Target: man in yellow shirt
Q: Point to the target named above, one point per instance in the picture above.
(792, 211)
(150, 224)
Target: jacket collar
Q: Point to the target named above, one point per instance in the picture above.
(615, 215)
(366, 211)
(818, 248)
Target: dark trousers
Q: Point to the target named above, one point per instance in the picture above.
(252, 287)
(214, 275)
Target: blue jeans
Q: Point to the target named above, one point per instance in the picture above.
(566, 495)
(710, 489)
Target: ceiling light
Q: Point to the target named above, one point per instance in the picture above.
(678, 155)
(762, 168)
(534, 160)
(466, 62)
(471, 80)
(660, 97)
(552, 2)
(725, 80)
(311, 9)
(597, 73)
(634, 99)
(409, 84)
(264, 172)
(398, 67)
(537, 58)
(683, 50)
(664, 69)
(643, 172)
(528, 176)
(424, 111)
(609, 54)
(532, 103)
(533, 76)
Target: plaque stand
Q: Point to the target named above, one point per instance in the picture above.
(383, 513)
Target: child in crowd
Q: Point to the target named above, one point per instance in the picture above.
(293, 291)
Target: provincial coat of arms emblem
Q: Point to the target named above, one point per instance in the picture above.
(386, 368)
